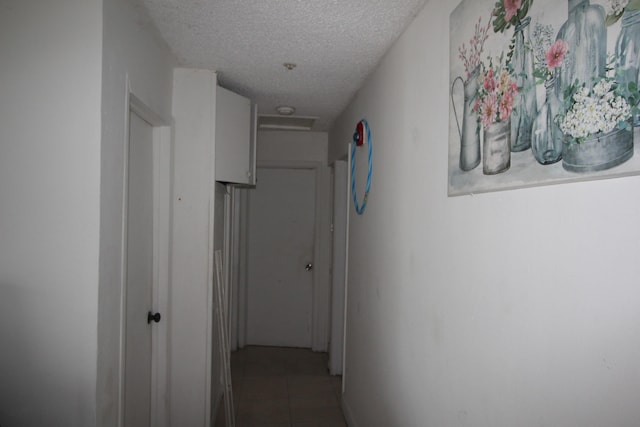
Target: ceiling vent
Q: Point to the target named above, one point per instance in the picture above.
(276, 122)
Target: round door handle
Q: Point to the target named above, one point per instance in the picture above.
(151, 317)
(308, 267)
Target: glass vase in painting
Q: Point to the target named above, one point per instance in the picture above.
(628, 52)
(524, 112)
(547, 138)
(585, 33)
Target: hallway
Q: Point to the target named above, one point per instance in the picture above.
(284, 387)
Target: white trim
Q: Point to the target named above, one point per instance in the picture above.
(348, 413)
(210, 292)
(227, 247)
(346, 272)
(321, 276)
(243, 246)
(162, 224)
(254, 145)
(123, 261)
(339, 254)
(162, 161)
(210, 261)
(145, 112)
(234, 277)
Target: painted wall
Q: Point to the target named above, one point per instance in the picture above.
(514, 308)
(49, 215)
(194, 101)
(134, 55)
(292, 146)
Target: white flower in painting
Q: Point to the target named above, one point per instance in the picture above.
(616, 7)
(543, 37)
(602, 88)
(596, 110)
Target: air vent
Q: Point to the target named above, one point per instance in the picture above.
(275, 122)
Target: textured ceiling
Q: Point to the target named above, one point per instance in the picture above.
(336, 44)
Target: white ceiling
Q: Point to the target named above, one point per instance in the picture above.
(336, 44)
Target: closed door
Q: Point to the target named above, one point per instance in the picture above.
(280, 257)
(139, 280)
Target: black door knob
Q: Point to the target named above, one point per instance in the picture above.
(153, 317)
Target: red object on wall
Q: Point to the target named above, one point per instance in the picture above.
(360, 133)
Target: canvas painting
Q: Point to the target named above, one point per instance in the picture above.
(542, 92)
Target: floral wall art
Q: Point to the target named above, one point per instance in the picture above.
(542, 92)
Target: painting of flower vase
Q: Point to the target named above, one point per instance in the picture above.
(542, 92)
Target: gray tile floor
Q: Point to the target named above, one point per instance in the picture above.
(283, 387)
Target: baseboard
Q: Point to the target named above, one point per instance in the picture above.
(348, 414)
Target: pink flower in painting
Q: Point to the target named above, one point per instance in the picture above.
(555, 54)
(477, 104)
(505, 81)
(496, 96)
(489, 110)
(471, 57)
(490, 83)
(511, 8)
(506, 106)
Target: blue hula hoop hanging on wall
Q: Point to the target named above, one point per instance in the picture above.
(362, 129)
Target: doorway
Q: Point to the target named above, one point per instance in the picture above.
(281, 243)
(321, 260)
(139, 318)
(145, 274)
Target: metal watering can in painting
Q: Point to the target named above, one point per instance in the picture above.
(469, 133)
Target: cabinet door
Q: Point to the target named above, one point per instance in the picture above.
(235, 138)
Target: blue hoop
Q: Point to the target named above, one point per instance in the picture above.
(356, 135)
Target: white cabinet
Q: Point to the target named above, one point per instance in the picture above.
(235, 138)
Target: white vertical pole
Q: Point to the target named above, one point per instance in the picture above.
(224, 341)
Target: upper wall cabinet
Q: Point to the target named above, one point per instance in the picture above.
(235, 138)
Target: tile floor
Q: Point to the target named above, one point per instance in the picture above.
(283, 387)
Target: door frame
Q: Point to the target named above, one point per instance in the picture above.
(162, 155)
(340, 194)
(321, 290)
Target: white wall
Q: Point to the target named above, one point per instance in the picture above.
(133, 55)
(292, 146)
(515, 308)
(49, 211)
(194, 101)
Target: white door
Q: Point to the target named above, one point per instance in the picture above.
(280, 258)
(139, 281)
